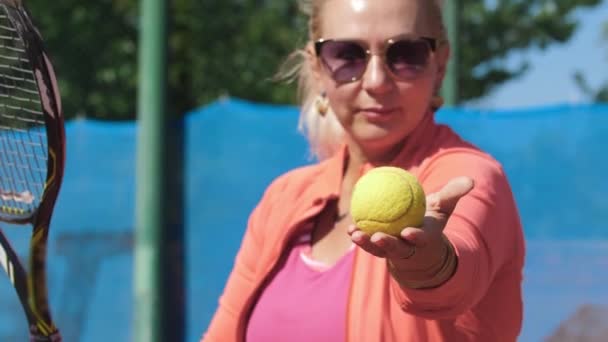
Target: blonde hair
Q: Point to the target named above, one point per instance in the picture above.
(323, 132)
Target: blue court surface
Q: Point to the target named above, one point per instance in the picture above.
(553, 156)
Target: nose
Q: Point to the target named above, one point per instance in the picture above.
(376, 78)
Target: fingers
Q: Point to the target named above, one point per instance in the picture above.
(393, 247)
(444, 201)
(383, 245)
(415, 236)
(364, 241)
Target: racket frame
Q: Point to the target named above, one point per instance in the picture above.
(31, 286)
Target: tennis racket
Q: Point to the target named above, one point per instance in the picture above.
(32, 156)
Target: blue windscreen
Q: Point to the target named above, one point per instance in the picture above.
(554, 158)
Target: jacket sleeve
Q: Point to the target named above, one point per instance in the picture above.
(484, 229)
(225, 322)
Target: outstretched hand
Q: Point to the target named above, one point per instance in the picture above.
(417, 249)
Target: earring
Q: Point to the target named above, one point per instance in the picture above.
(322, 104)
(436, 102)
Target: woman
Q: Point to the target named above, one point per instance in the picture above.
(369, 79)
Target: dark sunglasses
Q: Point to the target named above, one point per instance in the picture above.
(346, 60)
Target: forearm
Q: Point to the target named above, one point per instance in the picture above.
(467, 285)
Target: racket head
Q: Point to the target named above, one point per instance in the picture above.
(32, 138)
(32, 153)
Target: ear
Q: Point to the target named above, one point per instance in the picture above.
(442, 57)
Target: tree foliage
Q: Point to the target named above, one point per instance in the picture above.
(491, 33)
(599, 94)
(234, 47)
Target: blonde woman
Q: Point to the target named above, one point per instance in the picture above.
(369, 78)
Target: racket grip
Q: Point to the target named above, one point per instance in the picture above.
(56, 337)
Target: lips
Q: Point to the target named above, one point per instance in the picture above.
(378, 113)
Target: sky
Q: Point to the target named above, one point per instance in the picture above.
(549, 80)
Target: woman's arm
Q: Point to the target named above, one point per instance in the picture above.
(445, 267)
(484, 230)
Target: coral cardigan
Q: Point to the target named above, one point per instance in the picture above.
(481, 302)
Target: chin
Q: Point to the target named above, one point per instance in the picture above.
(379, 138)
(380, 131)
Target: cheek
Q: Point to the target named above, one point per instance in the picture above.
(340, 98)
(416, 96)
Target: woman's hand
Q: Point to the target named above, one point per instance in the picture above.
(418, 253)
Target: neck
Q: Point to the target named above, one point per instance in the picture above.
(359, 155)
(357, 158)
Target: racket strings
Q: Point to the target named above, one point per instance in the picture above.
(23, 140)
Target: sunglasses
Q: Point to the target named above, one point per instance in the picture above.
(346, 60)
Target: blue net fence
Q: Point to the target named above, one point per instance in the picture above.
(554, 158)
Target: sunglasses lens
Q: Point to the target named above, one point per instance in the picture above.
(345, 60)
(406, 57)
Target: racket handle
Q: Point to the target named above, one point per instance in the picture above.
(56, 337)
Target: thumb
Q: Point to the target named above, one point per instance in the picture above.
(446, 199)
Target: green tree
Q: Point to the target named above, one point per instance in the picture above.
(93, 46)
(601, 93)
(221, 47)
(490, 34)
(234, 47)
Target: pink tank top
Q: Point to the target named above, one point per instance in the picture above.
(305, 301)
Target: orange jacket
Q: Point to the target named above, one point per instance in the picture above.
(481, 302)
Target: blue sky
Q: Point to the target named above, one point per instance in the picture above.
(549, 80)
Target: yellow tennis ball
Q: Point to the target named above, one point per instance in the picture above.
(387, 199)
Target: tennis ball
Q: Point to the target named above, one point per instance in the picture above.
(387, 199)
